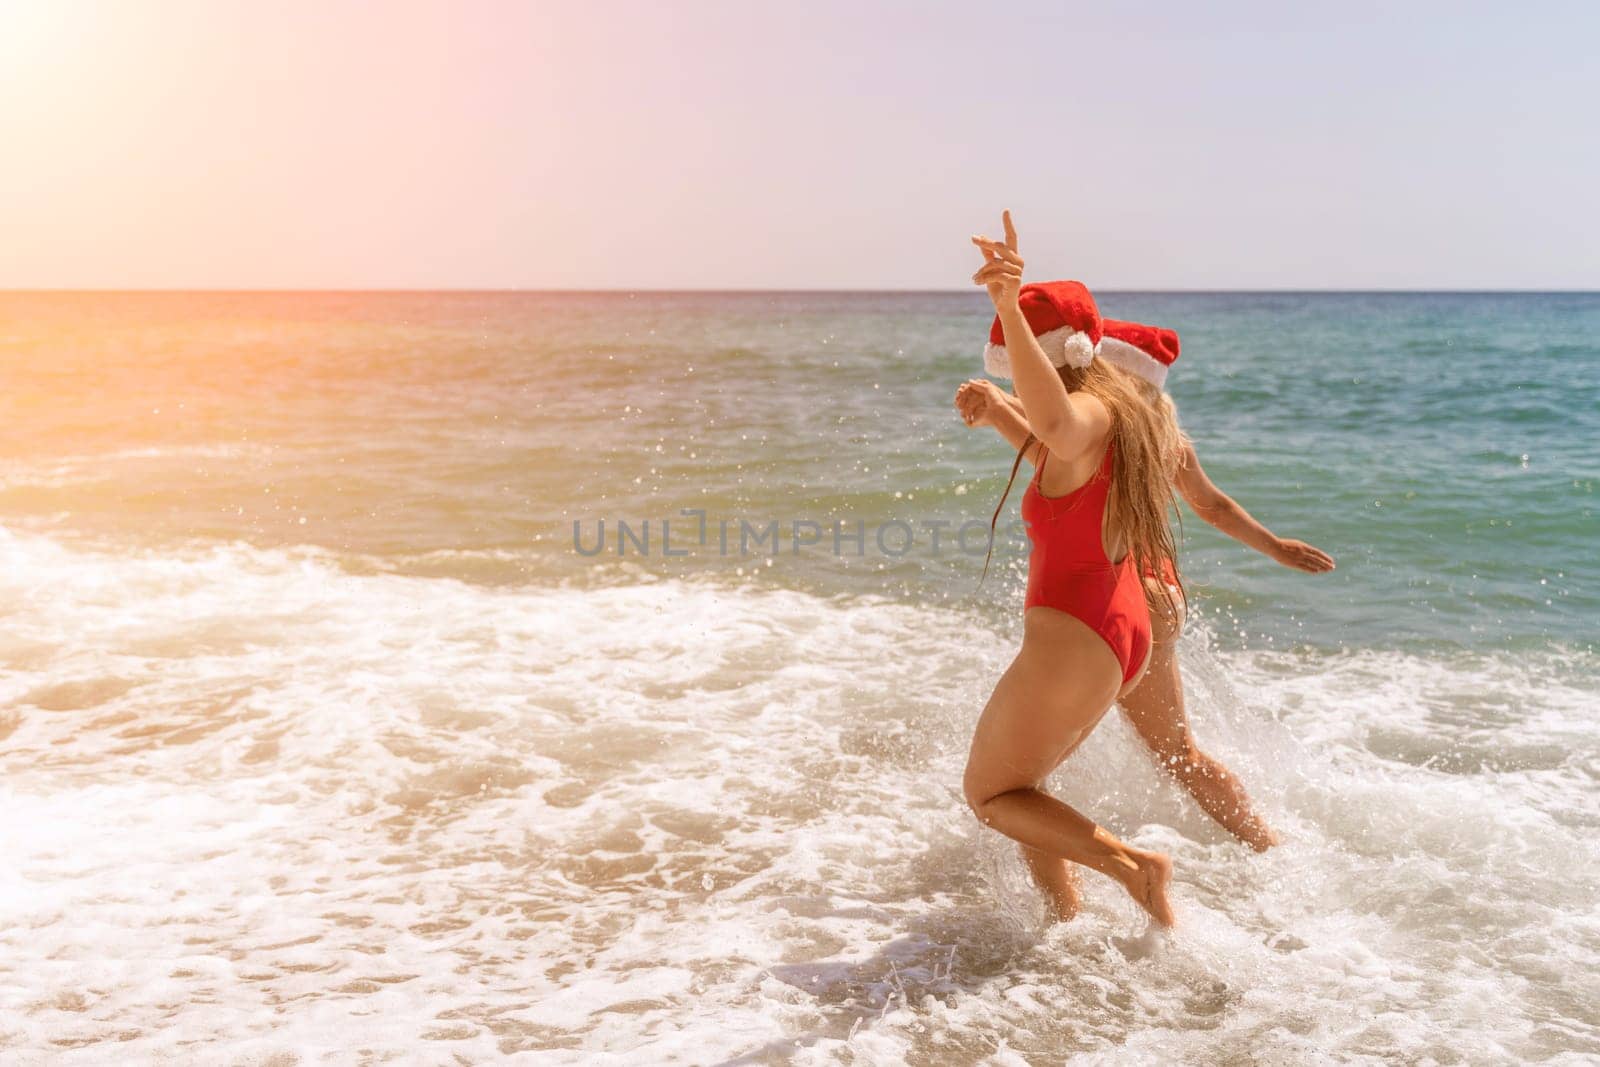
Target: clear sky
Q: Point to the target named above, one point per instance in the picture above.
(700, 144)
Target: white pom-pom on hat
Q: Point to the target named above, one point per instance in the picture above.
(1066, 347)
(1064, 320)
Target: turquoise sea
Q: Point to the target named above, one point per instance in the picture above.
(339, 717)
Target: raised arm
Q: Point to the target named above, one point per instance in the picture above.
(1222, 511)
(1068, 425)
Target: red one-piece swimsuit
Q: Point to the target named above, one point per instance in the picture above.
(1068, 568)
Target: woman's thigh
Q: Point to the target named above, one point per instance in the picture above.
(1045, 704)
(1155, 707)
(1168, 611)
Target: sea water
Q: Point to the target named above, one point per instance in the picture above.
(383, 677)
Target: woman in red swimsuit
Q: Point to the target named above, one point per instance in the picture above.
(1155, 708)
(1096, 510)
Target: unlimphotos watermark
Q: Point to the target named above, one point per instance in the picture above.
(697, 532)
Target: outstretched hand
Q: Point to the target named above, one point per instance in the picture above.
(978, 400)
(1302, 557)
(1001, 272)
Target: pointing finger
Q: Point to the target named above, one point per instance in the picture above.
(1011, 231)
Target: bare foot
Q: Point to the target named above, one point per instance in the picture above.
(1147, 884)
(1258, 835)
(1064, 899)
(1065, 909)
(1252, 831)
(1057, 880)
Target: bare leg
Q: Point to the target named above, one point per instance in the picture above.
(1059, 880)
(1047, 702)
(1034, 817)
(1155, 709)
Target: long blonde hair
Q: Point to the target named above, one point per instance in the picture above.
(1149, 449)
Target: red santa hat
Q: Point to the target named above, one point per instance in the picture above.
(1148, 351)
(1064, 320)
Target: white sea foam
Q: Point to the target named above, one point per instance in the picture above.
(257, 806)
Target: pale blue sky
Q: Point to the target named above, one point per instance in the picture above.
(840, 145)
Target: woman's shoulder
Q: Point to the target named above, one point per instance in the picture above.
(1093, 409)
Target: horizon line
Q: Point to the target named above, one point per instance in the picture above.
(468, 290)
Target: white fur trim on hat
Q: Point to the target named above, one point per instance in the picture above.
(1064, 346)
(1134, 359)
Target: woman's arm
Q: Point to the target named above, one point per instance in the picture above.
(1222, 511)
(1011, 399)
(982, 403)
(1066, 426)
